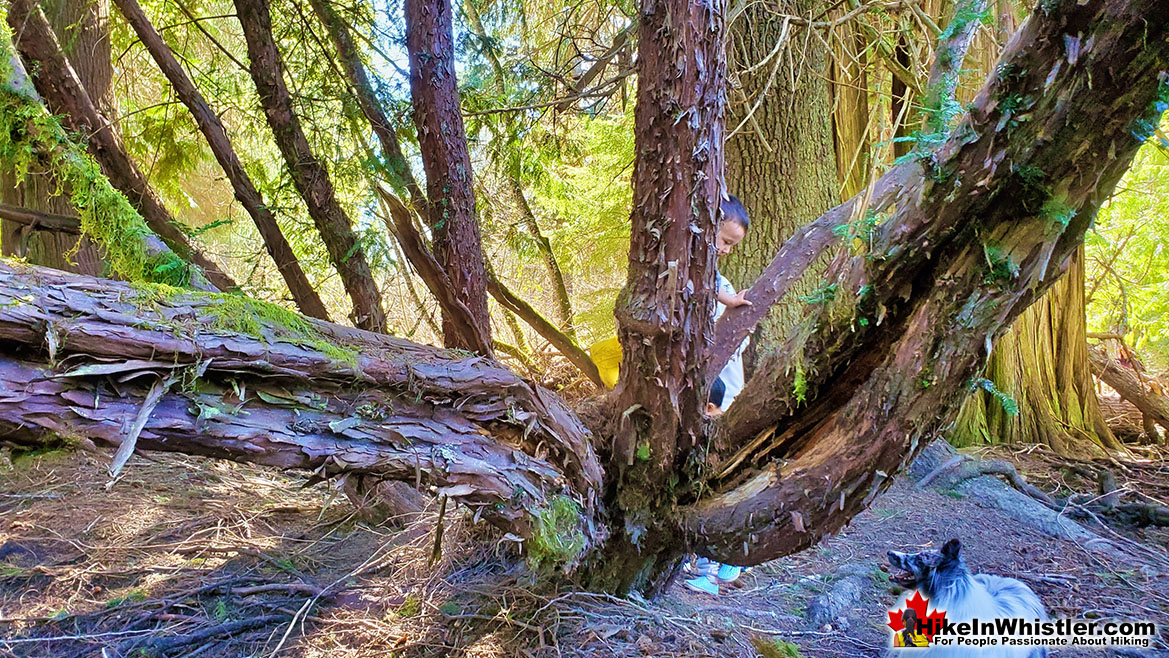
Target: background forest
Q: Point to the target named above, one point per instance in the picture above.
(824, 97)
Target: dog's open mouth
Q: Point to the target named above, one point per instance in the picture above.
(902, 577)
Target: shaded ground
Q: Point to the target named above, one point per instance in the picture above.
(184, 557)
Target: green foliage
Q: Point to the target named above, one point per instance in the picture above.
(1010, 406)
(1127, 271)
(821, 295)
(1001, 268)
(32, 138)
(556, 535)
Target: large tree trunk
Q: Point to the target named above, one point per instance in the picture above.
(664, 310)
(308, 173)
(89, 55)
(1037, 386)
(306, 298)
(782, 162)
(876, 371)
(443, 140)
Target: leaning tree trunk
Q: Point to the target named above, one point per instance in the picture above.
(447, 162)
(782, 162)
(89, 54)
(1037, 386)
(309, 174)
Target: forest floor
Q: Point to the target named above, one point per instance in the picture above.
(188, 557)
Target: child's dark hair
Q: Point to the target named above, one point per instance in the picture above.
(733, 211)
(717, 390)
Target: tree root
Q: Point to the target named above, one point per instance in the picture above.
(1105, 503)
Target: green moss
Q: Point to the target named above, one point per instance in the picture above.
(800, 385)
(556, 535)
(775, 648)
(240, 314)
(1000, 267)
(1057, 211)
(30, 137)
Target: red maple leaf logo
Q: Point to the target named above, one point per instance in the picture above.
(930, 622)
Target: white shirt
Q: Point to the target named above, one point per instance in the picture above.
(732, 372)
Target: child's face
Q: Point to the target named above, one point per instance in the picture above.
(713, 409)
(730, 233)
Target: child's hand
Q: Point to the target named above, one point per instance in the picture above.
(736, 300)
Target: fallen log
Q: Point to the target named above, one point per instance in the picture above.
(255, 383)
(1130, 387)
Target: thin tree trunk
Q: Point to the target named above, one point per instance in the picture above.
(443, 141)
(305, 296)
(560, 340)
(308, 173)
(515, 188)
(65, 96)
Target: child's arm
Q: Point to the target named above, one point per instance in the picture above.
(734, 300)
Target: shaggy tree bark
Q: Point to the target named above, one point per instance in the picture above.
(987, 225)
(1037, 386)
(65, 96)
(978, 230)
(308, 173)
(446, 160)
(306, 298)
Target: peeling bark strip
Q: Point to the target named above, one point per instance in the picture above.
(884, 360)
(308, 173)
(306, 298)
(63, 93)
(443, 141)
(395, 411)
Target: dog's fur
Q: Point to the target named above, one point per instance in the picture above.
(943, 578)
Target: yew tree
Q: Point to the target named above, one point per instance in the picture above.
(958, 239)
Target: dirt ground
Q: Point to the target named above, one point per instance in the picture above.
(186, 557)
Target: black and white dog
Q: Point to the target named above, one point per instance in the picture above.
(943, 578)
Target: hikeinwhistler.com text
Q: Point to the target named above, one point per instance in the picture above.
(1015, 632)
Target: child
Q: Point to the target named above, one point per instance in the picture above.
(731, 231)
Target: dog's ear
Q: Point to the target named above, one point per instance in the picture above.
(951, 549)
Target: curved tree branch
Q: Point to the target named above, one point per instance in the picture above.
(987, 224)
